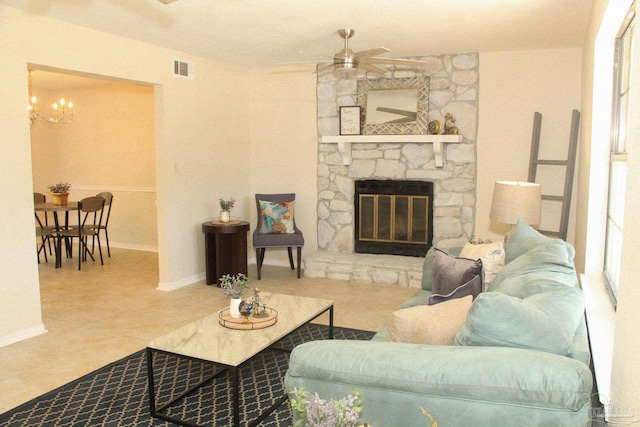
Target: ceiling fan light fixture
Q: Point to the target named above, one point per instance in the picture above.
(345, 63)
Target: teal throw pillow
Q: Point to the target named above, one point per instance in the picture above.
(545, 322)
(277, 217)
(522, 239)
(544, 266)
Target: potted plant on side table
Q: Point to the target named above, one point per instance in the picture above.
(226, 206)
(60, 193)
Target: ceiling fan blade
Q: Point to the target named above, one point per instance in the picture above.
(391, 61)
(373, 68)
(369, 53)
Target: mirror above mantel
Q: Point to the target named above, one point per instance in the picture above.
(397, 106)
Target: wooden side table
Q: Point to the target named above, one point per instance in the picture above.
(225, 249)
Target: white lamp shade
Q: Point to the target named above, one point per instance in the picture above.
(515, 200)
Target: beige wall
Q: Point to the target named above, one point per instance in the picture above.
(110, 146)
(513, 86)
(625, 378)
(284, 149)
(200, 127)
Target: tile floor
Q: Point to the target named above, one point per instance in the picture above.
(103, 313)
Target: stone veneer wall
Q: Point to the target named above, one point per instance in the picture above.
(453, 89)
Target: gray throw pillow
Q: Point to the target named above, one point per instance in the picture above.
(472, 288)
(450, 272)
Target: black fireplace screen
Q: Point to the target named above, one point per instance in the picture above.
(393, 217)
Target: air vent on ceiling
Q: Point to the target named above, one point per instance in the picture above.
(182, 68)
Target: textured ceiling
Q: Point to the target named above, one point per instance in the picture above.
(266, 33)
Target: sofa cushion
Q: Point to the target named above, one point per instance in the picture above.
(277, 217)
(544, 321)
(521, 239)
(427, 266)
(492, 256)
(542, 267)
(437, 324)
(472, 288)
(506, 377)
(449, 272)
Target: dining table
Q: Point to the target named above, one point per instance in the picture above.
(52, 207)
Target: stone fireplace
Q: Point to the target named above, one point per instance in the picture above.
(454, 90)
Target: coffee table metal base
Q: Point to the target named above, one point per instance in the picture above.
(158, 411)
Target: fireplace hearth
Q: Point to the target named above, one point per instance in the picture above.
(393, 217)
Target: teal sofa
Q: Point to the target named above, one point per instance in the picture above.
(521, 358)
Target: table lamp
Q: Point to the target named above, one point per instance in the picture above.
(515, 200)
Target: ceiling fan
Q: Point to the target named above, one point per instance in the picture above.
(346, 59)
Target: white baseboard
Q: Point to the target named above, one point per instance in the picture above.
(172, 286)
(22, 335)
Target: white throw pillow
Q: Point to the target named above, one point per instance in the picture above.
(492, 256)
(429, 324)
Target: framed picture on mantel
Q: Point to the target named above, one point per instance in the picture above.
(350, 123)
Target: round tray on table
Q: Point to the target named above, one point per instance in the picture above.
(232, 221)
(225, 319)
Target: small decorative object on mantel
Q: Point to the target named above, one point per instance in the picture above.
(60, 193)
(226, 206)
(450, 129)
(234, 287)
(434, 127)
(314, 411)
(350, 120)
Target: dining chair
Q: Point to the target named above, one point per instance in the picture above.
(277, 227)
(108, 199)
(90, 210)
(44, 231)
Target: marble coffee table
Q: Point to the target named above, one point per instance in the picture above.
(208, 341)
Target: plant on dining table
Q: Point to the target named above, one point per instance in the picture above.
(61, 187)
(234, 286)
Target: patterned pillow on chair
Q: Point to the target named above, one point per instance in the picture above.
(277, 217)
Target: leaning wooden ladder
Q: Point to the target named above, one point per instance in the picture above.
(569, 165)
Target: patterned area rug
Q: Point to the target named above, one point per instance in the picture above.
(118, 395)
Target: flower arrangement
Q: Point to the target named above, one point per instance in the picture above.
(316, 412)
(227, 205)
(234, 286)
(61, 187)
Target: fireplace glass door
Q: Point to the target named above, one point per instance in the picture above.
(400, 219)
(392, 223)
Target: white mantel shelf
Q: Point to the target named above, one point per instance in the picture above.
(344, 143)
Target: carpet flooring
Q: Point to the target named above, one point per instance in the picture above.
(118, 394)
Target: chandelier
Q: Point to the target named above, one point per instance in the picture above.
(63, 110)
